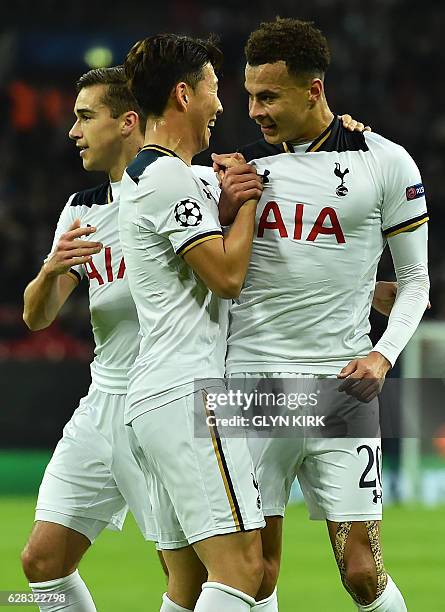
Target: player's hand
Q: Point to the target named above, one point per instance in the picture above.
(71, 250)
(364, 378)
(223, 161)
(354, 126)
(240, 184)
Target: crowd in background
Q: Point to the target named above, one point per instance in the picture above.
(387, 58)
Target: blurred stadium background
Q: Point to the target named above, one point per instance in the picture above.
(388, 57)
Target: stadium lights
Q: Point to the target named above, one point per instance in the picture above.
(98, 57)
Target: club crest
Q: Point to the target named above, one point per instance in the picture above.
(341, 190)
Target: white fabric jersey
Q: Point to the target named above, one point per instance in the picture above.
(113, 314)
(166, 210)
(208, 177)
(321, 227)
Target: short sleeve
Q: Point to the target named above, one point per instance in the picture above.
(404, 204)
(67, 216)
(178, 205)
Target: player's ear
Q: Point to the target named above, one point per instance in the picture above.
(129, 123)
(182, 95)
(315, 91)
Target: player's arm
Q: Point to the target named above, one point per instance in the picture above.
(222, 263)
(385, 293)
(48, 291)
(410, 258)
(409, 254)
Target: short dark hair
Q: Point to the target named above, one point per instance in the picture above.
(117, 97)
(298, 43)
(156, 64)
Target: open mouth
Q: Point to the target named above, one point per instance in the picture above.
(82, 150)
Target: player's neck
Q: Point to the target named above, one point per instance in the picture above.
(116, 172)
(127, 154)
(173, 133)
(319, 119)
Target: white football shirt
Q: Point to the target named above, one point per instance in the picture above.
(321, 227)
(166, 210)
(113, 314)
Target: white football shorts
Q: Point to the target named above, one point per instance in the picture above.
(201, 485)
(340, 477)
(92, 478)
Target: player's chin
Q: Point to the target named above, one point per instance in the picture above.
(205, 141)
(92, 166)
(88, 163)
(273, 138)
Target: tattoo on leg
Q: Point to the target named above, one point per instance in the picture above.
(341, 537)
(374, 541)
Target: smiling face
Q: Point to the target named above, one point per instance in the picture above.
(204, 107)
(97, 134)
(279, 102)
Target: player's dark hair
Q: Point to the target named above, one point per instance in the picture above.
(117, 96)
(156, 64)
(298, 43)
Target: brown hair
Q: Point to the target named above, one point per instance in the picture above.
(298, 43)
(156, 64)
(117, 96)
